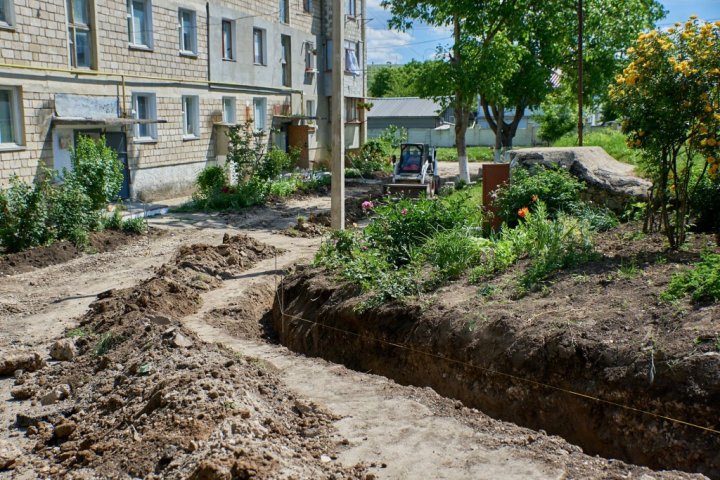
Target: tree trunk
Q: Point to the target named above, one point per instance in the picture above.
(461, 112)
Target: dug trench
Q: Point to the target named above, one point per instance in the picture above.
(580, 360)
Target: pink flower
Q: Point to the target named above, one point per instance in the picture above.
(367, 205)
(403, 211)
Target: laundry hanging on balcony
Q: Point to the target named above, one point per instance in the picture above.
(351, 62)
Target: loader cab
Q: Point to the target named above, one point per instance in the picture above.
(411, 159)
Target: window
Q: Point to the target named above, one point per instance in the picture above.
(229, 115)
(284, 10)
(227, 40)
(351, 110)
(79, 33)
(140, 23)
(259, 46)
(7, 17)
(144, 109)
(260, 113)
(308, 6)
(285, 60)
(310, 57)
(352, 53)
(191, 116)
(351, 8)
(10, 118)
(188, 32)
(310, 110)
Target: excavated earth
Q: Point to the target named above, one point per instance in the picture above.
(140, 396)
(560, 359)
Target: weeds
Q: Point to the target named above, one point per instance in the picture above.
(629, 269)
(76, 333)
(702, 282)
(106, 343)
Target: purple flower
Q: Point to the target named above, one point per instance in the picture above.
(367, 205)
(403, 212)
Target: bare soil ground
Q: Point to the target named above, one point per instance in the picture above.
(162, 402)
(599, 330)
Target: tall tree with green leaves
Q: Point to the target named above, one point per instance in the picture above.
(480, 59)
(547, 36)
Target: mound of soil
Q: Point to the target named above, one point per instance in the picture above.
(599, 330)
(145, 398)
(64, 251)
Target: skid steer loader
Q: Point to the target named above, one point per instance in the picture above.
(415, 172)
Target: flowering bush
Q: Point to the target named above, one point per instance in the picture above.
(669, 96)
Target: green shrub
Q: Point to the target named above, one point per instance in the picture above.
(97, 169)
(374, 156)
(702, 283)
(72, 214)
(275, 162)
(599, 218)
(135, 225)
(556, 188)
(704, 203)
(398, 226)
(283, 188)
(25, 214)
(550, 244)
(555, 121)
(452, 252)
(114, 221)
(210, 181)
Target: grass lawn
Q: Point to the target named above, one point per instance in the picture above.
(611, 140)
(475, 154)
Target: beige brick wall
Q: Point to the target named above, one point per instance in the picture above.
(38, 36)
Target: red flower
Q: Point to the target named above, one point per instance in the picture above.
(523, 212)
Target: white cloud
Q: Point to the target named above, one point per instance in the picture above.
(385, 45)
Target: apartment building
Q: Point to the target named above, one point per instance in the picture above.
(162, 80)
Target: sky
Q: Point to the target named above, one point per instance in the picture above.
(390, 46)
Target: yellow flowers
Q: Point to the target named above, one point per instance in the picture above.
(630, 51)
(708, 108)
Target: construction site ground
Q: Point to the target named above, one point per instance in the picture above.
(370, 426)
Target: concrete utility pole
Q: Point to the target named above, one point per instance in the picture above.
(581, 20)
(337, 190)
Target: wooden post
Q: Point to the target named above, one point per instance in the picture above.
(337, 189)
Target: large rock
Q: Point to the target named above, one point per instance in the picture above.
(63, 350)
(609, 181)
(9, 454)
(27, 361)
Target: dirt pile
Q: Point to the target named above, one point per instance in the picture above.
(144, 397)
(61, 252)
(599, 330)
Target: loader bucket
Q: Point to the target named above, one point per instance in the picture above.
(410, 190)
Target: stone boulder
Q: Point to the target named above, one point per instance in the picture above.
(610, 182)
(20, 360)
(63, 350)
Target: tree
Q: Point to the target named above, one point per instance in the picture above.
(479, 60)
(669, 96)
(395, 80)
(547, 34)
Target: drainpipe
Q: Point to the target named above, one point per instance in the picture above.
(124, 98)
(207, 21)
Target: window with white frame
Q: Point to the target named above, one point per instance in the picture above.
(259, 113)
(145, 110)
(228, 50)
(191, 116)
(310, 111)
(7, 13)
(352, 53)
(140, 23)
(188, 31)
(351, 109)
(308, 6)
(259, 46)
(351, 8)
(10, 117)
(80, 34)
(284, 11)
(229, 110)
(310, 57)
(286, 60)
